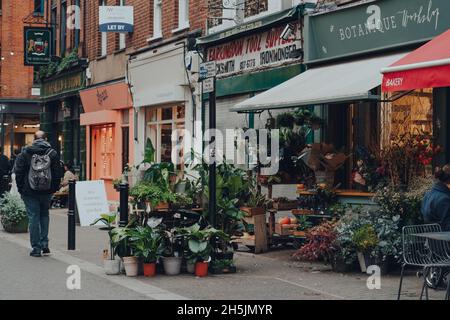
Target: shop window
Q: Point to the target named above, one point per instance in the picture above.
(103, 37)
(39, 7)
(411, 114)
(54, 23)
(63, 31)
(122, 36)
(162, 123)
(255, 7)
(157, 19)
(183, 14)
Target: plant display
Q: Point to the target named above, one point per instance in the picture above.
(108, 221)
(405, 203)
(369, 172)
(55, 68)
(148, 192)
(320, 243)
(321, 200)
(147, 243)
(122, 242)
(12, 210)
(199, 242)
(365, 238)
(378, 234)
(182, 201)
(254, 197)
(407, 156)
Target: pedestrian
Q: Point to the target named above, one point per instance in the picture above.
(5, 173)
(38, 175)
(69, 175)
(436, 203)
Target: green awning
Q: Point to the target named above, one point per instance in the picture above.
(249, 27)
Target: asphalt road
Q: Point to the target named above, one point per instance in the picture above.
(27, 278)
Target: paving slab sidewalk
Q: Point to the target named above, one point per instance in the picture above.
(269, 276)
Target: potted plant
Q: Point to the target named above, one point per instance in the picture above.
(13, 214)
(111, 265)
(181, 201)
(147, 246)
(256, 202)
(173, 256)
(199, 246)
(365, 239)
(123, 243)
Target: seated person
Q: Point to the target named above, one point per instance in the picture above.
(68, 176)
(436, 203)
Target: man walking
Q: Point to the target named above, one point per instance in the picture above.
(38, 176)
(5, 171)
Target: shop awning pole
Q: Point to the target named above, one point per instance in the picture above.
(212, 206)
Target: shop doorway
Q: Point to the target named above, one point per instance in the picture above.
(102, 152)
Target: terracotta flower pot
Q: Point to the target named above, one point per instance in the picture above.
(201, 269)
(149, 269)
(131, 266)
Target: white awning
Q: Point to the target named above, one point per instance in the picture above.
(343, 82)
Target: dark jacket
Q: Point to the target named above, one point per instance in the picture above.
(5, 165)
(22, 167)
(436, 206)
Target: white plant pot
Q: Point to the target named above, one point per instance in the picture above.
(172, 265)
(112, 267)
(362, 262)
(131, 266)
(190, 268)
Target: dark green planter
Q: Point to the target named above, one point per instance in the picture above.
(21, 227)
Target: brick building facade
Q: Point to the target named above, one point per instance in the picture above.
(19, 112)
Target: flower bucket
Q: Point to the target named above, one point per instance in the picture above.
(201, 269)
(112, 267)
(149, 269)
(172, 265)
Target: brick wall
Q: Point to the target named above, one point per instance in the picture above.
(15, 79)
(143, 24)
(70, 37)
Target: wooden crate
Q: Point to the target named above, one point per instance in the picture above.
(285, 229)
(251, 212)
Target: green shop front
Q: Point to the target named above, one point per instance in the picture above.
(345, 51)
(252, 58)
(60, 116)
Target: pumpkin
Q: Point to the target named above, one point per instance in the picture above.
(285, 220)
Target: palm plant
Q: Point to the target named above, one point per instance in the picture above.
(108, 221)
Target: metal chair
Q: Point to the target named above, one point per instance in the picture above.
(440, 255)
(416, 251)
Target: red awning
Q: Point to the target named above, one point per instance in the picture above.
(426, 67)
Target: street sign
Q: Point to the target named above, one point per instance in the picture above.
(207, 70)
(208, 85)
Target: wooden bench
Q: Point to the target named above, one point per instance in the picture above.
(59, 200)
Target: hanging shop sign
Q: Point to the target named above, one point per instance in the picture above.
(63, 84)
(256, 51)
(116, 19)
(37, 46)
(374, 26)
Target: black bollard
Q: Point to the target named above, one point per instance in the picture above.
(71, 217)
(123, 208)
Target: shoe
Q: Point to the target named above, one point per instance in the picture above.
(35, 253)
(46, 251)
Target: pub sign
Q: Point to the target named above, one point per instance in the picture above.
(37, 46)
